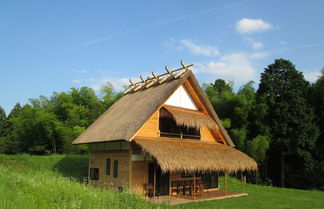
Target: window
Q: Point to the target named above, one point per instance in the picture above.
(210, 180)
(185, 174)
(108, 167)
(115, 168)
(169, 128)
(94, 173)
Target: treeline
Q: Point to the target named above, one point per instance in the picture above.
(281, 124)
(49, 125)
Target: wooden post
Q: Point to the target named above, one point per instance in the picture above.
(225, 177)
(194, 185)
(170, 189)
(89, 180)
(242, 179)
(154, 181)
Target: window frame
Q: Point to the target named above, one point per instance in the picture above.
(94, 174)
(115, 174)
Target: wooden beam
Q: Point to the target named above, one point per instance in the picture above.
(89, 180)
(164, 79)
(154, 180)
(194, 187)
(170, 189)
(156, 78)
(225, 179)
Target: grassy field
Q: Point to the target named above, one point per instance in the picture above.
(44, 182)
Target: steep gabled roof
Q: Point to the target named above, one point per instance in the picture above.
(126, 116)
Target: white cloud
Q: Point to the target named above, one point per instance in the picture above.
(257, 45)
(199, 49)
(76, 81)
(236, 67)
(282, 42)
(79, 71)
(254, 44)
(248, 26)
(118, 83)
(312, 76)
(259, 55)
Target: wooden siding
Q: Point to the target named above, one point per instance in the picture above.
(150, 127)
(139, 176)
(98, 160)
(206, 135)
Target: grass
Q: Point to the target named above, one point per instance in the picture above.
(44, 182)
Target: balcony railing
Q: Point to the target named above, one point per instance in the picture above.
(179, 135)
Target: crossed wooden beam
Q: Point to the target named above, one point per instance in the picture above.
(150, 81)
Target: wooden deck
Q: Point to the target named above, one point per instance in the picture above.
(211, 195)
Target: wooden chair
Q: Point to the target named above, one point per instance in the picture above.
(187, 187)
(175, 187)
(148, 190)
(200, 187)
(181, 187)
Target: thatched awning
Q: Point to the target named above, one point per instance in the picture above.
(191, 118)
(190, 155)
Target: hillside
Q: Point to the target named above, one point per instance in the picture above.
(44, 182)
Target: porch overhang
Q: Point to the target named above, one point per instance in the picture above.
(191, 118)
(193, 156)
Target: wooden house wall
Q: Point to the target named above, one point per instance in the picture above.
(98, 160)
(139, 176)
(150, 127)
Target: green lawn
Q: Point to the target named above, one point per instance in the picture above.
(44, 182)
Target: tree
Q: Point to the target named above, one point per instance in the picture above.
(317, 101)
(290, 120)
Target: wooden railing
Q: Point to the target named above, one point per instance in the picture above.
(177, 135)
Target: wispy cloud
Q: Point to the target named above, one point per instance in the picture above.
(254, 44)
(312, 76)
(79, 71)
(76, 81)
(249, 26)
(259, 55)
(235, 66)
(161, 22)
(321, 44)
(197, 49)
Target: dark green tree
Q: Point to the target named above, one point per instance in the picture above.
(291, 124)
(317, 101)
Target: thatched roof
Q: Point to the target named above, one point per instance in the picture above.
(126, 116)
(191, 118)
(191, 155)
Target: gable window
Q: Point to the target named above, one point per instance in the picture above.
(108, 167)
(116, 168)
(94, 173)
(169, 128)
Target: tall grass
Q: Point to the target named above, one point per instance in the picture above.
(43, 182)
(40, 182)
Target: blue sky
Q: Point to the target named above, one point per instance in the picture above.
(48, 46)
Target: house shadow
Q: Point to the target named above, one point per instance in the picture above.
(73, 166)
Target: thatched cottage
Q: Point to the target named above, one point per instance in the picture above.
(162, 137)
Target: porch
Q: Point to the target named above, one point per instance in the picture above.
(208, 195)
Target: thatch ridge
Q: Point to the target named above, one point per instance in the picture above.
(191, 155)
(191, 118)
